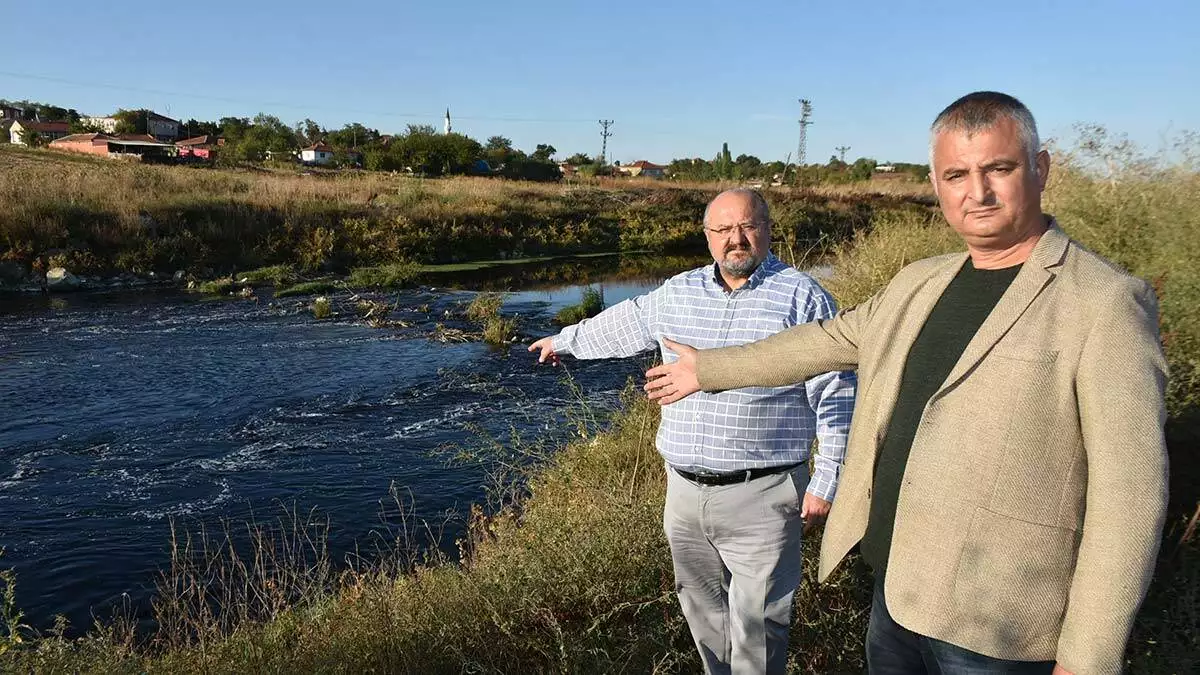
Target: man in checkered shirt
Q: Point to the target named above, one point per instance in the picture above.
(739, 492)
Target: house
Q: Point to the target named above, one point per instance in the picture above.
(321, 154)
(92, 144)
(200, 147)
(317, 153)
(643, 168)
(139, 146)
(161, 127)
(48, 131)
(8, 112)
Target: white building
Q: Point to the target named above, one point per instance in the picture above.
(48, 131)
(160, 127)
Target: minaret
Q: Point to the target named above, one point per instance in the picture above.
(447, 125)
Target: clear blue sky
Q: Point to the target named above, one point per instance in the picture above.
(678, 77)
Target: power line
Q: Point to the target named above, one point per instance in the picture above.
(604, 134)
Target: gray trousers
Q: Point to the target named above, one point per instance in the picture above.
(736, 552)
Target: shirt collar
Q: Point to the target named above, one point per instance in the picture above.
(756, 277)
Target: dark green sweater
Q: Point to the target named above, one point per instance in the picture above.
(955, 319)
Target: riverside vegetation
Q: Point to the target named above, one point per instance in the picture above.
(98, 217)
(575, 576)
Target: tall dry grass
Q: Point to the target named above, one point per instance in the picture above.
(98, 217)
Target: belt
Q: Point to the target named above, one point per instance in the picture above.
(744, 476)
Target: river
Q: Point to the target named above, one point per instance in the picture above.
(124, 412)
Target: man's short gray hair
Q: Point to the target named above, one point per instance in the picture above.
(761, 212)
(982, 110)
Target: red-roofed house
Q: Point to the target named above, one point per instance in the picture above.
(644, 169)
(138, 146)
(320, 153)
(48, 131)
(92, 144)
(200, 147)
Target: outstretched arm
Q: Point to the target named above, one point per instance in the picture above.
(788, 357)
(620, 330)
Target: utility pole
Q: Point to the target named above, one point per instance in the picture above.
(604, 134)
(805, 121)
(841, 149)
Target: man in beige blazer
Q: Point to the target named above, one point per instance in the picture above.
(1006, 471)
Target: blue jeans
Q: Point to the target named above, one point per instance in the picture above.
(892, 649)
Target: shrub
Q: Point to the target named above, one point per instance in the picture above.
(498, 330)
(384, 276)
(590, 305)
(275, 275)
(322, 307)
(485, 306)
(308, 288)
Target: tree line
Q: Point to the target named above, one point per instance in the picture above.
(422, 150)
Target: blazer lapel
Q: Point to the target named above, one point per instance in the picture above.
(908, 325)
(1030, 281)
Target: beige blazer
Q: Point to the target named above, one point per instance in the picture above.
(1033, 500)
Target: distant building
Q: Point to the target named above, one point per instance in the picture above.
(642, 168)
(321, 154)
(317, 153)
(885, 168)
(161, 127)
(9, 112)
(139, 146)
(200, 147)
(49, 131)
(106, 125)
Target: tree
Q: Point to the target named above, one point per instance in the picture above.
(131, 121)
(351, 136)
(543, 152)
(498, 151)
(195, 127)
(747, 166)
(310, 130)
(862, 168)
(431, 154)
(723, 163)
(31, 138)
(233, 128)
(579, 159)
(81, 127)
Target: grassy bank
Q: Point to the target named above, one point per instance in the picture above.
(101, 217)
(577, 577)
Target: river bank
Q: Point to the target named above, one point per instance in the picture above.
(97, 218)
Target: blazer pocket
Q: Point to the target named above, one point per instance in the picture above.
(1014, 577)
(1026, 354)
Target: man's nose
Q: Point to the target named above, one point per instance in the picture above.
(981, 188)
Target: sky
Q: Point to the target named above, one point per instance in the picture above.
(677, 78)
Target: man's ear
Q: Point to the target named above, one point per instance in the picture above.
(1043, 168)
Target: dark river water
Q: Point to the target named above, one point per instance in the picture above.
(121, 413)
